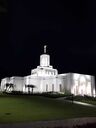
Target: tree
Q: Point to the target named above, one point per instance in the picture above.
(30, 86)
(9, 86)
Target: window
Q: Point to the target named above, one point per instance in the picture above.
(77, 90)
(82, 92)
(52, 87)
(60, 87)
(89, 88)
(46, 87)
(46, 72)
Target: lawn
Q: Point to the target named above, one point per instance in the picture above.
(15, 108)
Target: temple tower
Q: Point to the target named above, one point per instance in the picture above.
(45, 59)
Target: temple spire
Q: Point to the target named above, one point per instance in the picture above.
(45, 48)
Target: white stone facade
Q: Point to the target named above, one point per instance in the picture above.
(46, 79)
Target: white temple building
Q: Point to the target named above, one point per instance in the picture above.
(45, 78)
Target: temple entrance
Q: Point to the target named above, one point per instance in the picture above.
(30, 88)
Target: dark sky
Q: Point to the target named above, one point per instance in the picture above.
(68, 28)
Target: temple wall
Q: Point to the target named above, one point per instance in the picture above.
(18, 83)
(77, 84)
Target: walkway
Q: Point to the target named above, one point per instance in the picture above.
(85, 104)
(67, 123)
(77, 102)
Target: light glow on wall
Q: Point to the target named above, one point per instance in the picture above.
(82, 84)
(44, 60)
(94, 93)
(76, 76)
(89, 88)
(88, 77)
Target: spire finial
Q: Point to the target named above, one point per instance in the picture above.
(45, 48)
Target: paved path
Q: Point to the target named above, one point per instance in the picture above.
(67, 123)
(77, 102)
(85, 104)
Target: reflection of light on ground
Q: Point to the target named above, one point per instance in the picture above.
(76, 102)
(85, 104)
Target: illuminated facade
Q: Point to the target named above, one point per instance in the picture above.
(46, 79)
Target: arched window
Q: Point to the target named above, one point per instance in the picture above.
(46, 87)
(60, 85)
(77, 90)
(52, 87)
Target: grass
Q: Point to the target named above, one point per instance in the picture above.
(25, 108)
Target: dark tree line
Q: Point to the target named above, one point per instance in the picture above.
(3, 6)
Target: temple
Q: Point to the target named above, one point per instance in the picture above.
(45, 78)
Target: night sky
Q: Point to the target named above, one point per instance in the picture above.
(68, 29)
